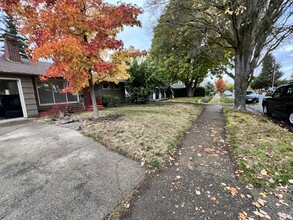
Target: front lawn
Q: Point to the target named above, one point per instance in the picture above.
(147, 133)
(262, 149)
(184, 100)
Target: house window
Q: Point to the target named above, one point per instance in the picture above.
(49, 92)
(106, 86)
(117, 86)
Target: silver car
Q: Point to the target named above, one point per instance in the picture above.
(251, 97)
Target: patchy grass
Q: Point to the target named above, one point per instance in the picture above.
(185, 100)
(147, 133)
(263, 150)
(225, 100)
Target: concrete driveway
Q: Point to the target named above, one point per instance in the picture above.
(49, 172)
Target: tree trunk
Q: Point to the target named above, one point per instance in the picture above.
(93, 97)
(242, 70)
(190, 90)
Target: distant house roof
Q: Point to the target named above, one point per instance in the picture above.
(25, 67)
(178, 86)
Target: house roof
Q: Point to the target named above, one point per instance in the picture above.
(25, 67)
(178, 86)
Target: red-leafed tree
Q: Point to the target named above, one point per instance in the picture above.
(220, 85)
(79, 36)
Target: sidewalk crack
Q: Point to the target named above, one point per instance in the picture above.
(117, 177)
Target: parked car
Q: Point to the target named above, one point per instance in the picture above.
(227, 93)
(280, 103)
(251, 97)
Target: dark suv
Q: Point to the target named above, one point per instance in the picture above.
(280, 103)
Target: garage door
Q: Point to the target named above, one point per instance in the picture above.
(10, 105)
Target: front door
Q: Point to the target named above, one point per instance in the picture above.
(10, 105)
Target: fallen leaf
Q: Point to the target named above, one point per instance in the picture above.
(265, 214)
(199, 155)
(127, 205)
(264, 172)
(213, 199)
(197, 192)
(177, 177)
(243, 216)
(242, 196)
(261, 202)
(233, 191)
(190, 166)
(209, 150)
(256, 204)
(264, 195)
(259, 214)
(284, 216)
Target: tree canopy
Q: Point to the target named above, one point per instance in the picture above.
(251, 28)
(220, 84)
(143, 80)
(79, 36)
(184, 54)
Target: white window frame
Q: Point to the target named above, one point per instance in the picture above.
(21, 96)
(55, 103)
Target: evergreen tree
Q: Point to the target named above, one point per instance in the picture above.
(10, 28)
(271, 71)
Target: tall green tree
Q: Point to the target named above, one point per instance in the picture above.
(269, 75)
(183, 54)
(10, 28)
(143, 80)
(251, 28)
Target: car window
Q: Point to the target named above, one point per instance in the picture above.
(290, 91)
(282, 91)
(249, 92)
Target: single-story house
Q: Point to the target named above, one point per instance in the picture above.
(23, 94)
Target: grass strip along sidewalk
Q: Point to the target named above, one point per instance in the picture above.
(263, 150)
(148, 133)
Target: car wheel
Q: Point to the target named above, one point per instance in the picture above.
(266, 110)
(291, 118)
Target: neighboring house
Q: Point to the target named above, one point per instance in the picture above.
(159, 94)
(23, 94)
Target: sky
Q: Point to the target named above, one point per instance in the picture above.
(141, 39)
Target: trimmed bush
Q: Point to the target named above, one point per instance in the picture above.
(199, 92)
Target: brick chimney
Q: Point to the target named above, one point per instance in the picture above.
(11, 48)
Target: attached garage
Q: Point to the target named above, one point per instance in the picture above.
(17, 93)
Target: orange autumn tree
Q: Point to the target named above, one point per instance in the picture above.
(79, 36)
(220, 85)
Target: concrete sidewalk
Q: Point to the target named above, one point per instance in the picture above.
(50, 172)
(201, 184)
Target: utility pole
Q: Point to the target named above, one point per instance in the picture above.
(274, 73)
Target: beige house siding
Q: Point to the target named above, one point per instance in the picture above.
(28, 92)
